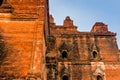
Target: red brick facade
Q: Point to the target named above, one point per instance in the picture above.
(33, 47)
(23, 24)
(80, 55)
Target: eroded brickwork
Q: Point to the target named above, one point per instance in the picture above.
(33, 47)
(22, 26)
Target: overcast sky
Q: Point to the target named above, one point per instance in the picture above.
(86, 12)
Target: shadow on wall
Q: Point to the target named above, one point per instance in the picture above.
(1, 1)
(3, 48)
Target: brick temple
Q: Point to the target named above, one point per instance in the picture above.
(34, 47)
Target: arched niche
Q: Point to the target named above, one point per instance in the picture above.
(64, 54)
(65, 77)
(94, 54)
(99, 77)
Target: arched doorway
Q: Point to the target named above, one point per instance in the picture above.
(64, 54)
(65, 78)
(94, 54)
(99, 77)
(1, 1)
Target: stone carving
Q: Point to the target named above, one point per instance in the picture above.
(64, 71)
(76, 72)
(6, 7)
(98, 71)
(50, 43)
(65, 51)
(94, 52)
(51, 72)
(75, 54)
(64, 46)
(99, 74)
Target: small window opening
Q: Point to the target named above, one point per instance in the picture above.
(99, 78)
(64, 54)
(1, 1)
(65, 78)
(94, 54)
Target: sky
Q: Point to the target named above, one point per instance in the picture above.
(86, 12)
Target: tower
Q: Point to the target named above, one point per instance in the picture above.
(24, 28)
